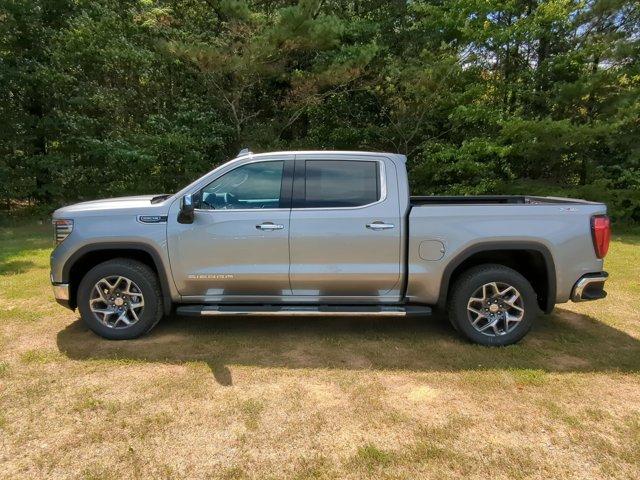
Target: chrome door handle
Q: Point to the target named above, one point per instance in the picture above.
(269, 226)
(380, 226)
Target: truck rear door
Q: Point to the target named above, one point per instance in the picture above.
(345, 228)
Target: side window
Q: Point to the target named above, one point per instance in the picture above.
(341, 183)
(254, 185)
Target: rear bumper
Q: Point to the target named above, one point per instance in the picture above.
(590, 287)
(61, 293)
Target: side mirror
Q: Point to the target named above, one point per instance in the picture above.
(187, 209)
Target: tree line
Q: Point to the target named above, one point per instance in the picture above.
(111, 97)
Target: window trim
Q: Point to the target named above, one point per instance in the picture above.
(286, 186)
(299, 192)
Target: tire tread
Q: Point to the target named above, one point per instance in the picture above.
(124, 264)
(458, 297)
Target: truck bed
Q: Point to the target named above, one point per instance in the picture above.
(491, 199)
(442, 228)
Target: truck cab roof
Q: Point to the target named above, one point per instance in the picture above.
(243, 153)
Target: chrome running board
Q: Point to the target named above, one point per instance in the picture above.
(303, 310)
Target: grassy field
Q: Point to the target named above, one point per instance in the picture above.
(316, 398)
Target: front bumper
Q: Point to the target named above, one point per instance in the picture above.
(61, 293)
(590, 287)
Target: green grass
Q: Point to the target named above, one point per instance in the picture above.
(251, 409)
(40, 356)
(370, 457)
(316, 398)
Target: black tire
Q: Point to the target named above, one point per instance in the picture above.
(472, 280)
(147, 281)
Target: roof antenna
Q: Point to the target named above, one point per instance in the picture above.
(244, 152)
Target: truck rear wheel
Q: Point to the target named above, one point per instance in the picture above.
(120, 299)
(493, 305)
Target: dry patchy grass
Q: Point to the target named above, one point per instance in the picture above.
(316, 398)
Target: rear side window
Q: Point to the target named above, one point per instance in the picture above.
(341, 183)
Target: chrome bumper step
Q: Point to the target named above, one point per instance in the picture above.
(590, 287)
(303, 310)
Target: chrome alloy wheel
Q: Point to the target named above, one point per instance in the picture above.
(116, 301)
(495, 309)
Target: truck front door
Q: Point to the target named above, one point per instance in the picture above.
(345, 228)
(237, 247)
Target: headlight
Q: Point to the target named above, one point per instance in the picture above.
(61, 230)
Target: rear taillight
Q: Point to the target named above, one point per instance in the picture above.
(601, 234)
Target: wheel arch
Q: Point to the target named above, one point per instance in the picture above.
(87, 257)
(531, 259)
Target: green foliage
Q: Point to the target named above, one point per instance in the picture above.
(478, 165)
(107, 97)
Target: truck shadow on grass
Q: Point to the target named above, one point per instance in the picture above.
(561, 342)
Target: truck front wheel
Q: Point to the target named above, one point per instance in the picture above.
(493, 305)
(120, 299)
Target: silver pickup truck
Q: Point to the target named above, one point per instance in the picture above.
(326, 233)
